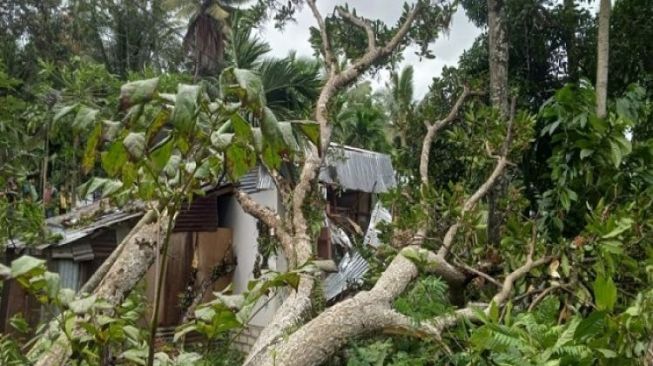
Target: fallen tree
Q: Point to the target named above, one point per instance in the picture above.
(137, 255)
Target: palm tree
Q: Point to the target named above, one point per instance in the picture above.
(291, 84)
(207, 31)
(360, 121)
(400, 102)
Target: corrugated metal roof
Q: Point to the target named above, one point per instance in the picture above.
(358, 169)
(70, 235)
(257, 179)
(353, 266)
(346, 166)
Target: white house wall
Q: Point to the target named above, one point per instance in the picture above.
(245, 234)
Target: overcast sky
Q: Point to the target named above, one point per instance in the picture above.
(447, 48)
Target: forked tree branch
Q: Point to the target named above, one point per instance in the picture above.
(471, 202)
(335, 81)
(362, 23)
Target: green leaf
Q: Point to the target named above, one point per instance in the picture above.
(310, 129)
(615, 154)
(27, 265)
(605, 293)
(623, 225)
(137, 92)
(88, 162)
(84, 119)
(64, 112)
(110, 187)
(135, 144)
(186, 107)
(52, 284)
(161, 154)
(590, 326)
(114, 158)
(221, 140)
(82, 305)
(245, 85)
(240, 159)
(242, 129)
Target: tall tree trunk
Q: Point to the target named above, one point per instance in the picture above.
(498, 60)
(602, 54)
(498, 56)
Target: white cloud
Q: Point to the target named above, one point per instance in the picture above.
(447, 48)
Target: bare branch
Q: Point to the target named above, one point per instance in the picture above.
(326, 45)
(433, 129)
(471, 202)
(515, 275)
(362, 23)
(479, 273)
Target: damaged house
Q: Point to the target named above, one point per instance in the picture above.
(215, 242)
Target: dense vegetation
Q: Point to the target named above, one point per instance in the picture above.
(522, 229)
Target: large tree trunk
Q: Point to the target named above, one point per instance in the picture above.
(131, 265)
(498, 59)
(602, 55)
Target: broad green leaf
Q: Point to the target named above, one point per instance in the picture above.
(88, 162)
(221, 140)
(240, 159)
(91, 186)
(590, 326)
(135, 144)
(52, 284)
(245, 85)
(27, 265)
(64, 112)
(270, 127)
(161, 154)
(110, 187)
(84, 119)
(114, 158)
(605, 293)
(137, 92)
(83, 305)
(310, 129)
(568, 334)
(186, 107)
(242, 129)
(157, 124)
